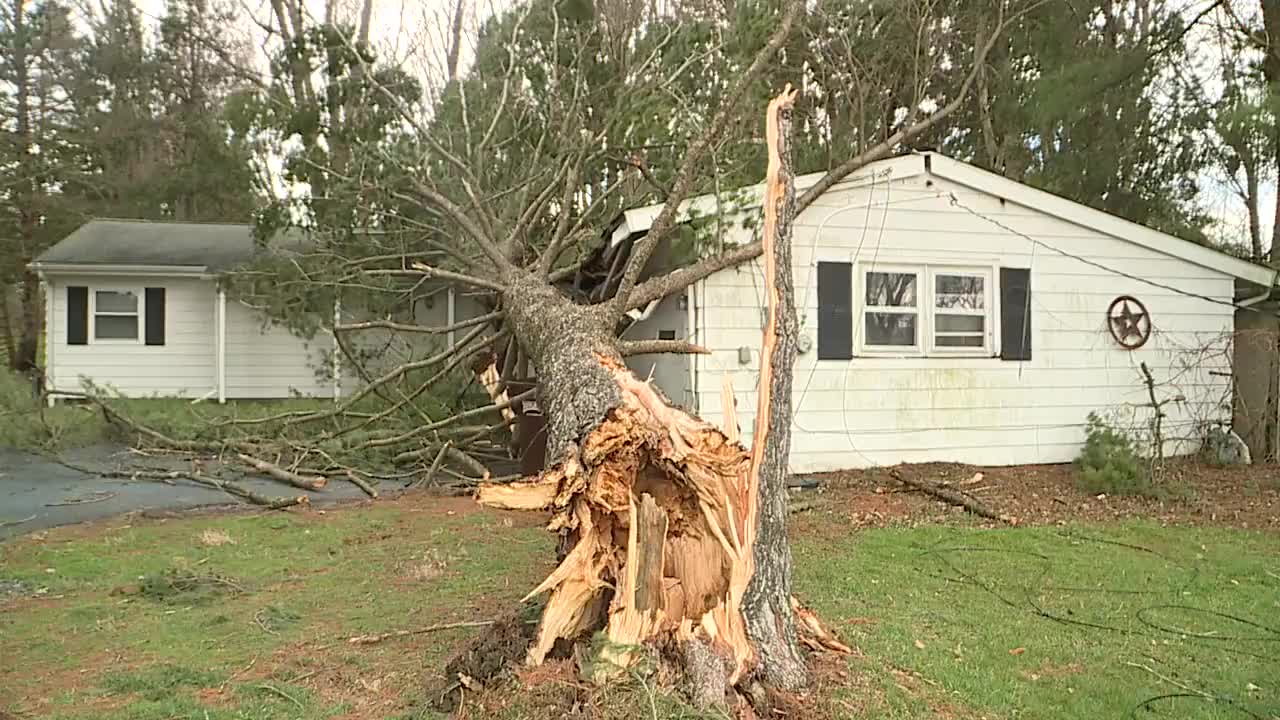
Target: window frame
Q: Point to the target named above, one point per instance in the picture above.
(860, 316)
(987, 313)
(140, 310)
(926, 345)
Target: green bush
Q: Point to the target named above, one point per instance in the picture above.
(1110, 462)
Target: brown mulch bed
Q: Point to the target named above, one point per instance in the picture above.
(1243, 497)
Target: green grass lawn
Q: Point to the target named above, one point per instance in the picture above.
(1038, 622)
(1068, 622)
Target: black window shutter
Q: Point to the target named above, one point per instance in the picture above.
(835, 310)
(155, 316)
(1015, 314)
(77, 315)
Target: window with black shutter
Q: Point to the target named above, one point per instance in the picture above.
(155, 316)
(835, 310)
(77, 315)
(1015, 314)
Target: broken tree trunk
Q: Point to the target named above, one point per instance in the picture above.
(672, 533)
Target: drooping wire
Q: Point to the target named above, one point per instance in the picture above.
(1028, 603)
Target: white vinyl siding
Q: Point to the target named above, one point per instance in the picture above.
(182, 367)
(265, 360)
(262, 362)
(930, 405)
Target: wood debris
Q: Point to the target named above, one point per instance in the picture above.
(953, 497)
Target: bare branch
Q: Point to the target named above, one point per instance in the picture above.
(421, 270)
(627, 348)
(433, 330)
(684, 180)
(659, 287)
(884, 148)
(676, 280)
(409, 435)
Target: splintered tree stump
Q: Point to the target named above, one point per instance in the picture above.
(654, 484)
(672, 533)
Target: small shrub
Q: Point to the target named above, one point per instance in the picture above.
(1110, 462)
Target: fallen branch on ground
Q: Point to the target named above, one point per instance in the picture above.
(245, 493)
(169, 476)
(115, 416)
(361, 483)
(100, 496)
(275, 472)
(952, 497)
(371, 639)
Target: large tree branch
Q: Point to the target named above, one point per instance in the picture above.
(455, 213)
(677, 280)
(627, 348)
(685, 177)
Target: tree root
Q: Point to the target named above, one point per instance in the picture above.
(483, 658)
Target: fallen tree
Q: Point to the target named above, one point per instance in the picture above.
(677, 532)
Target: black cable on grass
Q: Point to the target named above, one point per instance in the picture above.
(1146, 704)
(1275, 634)
(1029, 603)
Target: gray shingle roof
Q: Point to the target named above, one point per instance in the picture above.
(142, 242)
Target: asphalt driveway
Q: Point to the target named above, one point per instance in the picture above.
(37, 493)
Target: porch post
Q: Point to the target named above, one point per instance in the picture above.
(222, 344)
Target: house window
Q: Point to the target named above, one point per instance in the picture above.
(926, 310)
(115, 315)
(959, 310)
(890, 312)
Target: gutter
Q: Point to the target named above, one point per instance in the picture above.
(147, 270)
(1250, 302)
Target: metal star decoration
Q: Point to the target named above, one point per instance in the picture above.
(1128, 326)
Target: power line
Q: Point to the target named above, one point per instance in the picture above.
(955, 201)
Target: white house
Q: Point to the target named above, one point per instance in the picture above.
(951, 314)
(136, 306)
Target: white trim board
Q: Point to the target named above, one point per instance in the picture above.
(199, 271)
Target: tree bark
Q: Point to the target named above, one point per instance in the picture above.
(767, 603)
(1251, 203)
(32, 321)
